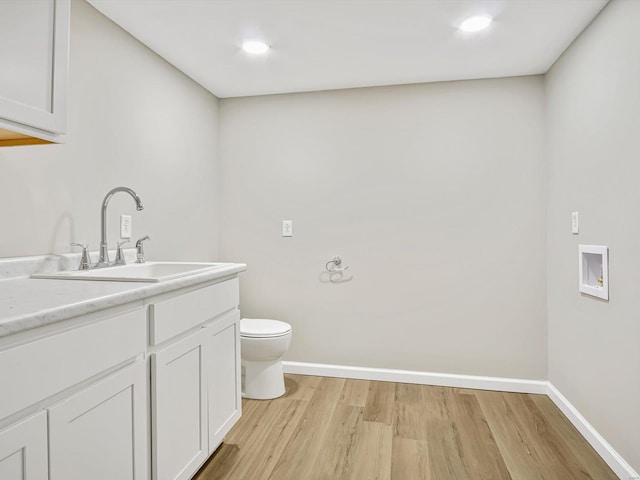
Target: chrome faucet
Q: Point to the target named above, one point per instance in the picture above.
(120, 254)
(103, 260)
(140, 249)
(85, 259)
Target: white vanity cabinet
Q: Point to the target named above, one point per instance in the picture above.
(224, 389)
(23, 449)
(34, 46)
(179, 410)
(79, 396)
(143, 390)
(101, 432)
(195, 376)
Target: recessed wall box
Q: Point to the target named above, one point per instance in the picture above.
(594, 270)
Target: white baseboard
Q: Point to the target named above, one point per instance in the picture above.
(621, 468)
(599, 444)
(420, 378)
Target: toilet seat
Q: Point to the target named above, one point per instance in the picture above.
(263, 328)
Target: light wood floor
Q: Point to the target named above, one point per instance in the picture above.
(330, 428)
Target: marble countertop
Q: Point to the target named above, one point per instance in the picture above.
(27, 303)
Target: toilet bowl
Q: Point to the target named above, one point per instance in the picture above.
(263, 343)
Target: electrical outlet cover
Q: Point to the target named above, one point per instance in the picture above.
(125, 227)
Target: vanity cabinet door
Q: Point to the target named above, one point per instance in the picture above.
(179, 414)
(34, 45)
(100, 433)
(23, 450)
(224, 397)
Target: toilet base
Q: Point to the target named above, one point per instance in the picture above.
(262, 380)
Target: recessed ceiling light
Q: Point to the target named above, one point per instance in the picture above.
(475, 24)
(255, 47)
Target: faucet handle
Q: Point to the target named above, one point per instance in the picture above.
(140, 249)
(140, 240)
(119, 254)
(85, 261)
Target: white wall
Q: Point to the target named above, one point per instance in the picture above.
(133, 120)
(435, 196)
(593, 124)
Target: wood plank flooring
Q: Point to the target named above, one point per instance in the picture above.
(332, 428)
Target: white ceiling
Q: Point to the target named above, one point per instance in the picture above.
(329, 44)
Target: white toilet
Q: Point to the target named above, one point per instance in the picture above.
(263, 343)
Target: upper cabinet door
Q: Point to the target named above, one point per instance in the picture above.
(34, 48)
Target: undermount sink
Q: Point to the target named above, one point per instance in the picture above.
(135, 272)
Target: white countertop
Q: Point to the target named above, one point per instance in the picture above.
(27, 303)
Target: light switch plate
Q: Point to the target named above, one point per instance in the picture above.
(575, 223)
(125, 226)
(287, 228)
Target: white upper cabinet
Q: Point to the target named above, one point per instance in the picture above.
(34, 47)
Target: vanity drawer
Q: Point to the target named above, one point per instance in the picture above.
(34, 371)
(171, 317)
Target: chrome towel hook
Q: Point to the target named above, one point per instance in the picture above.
(335, 265)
